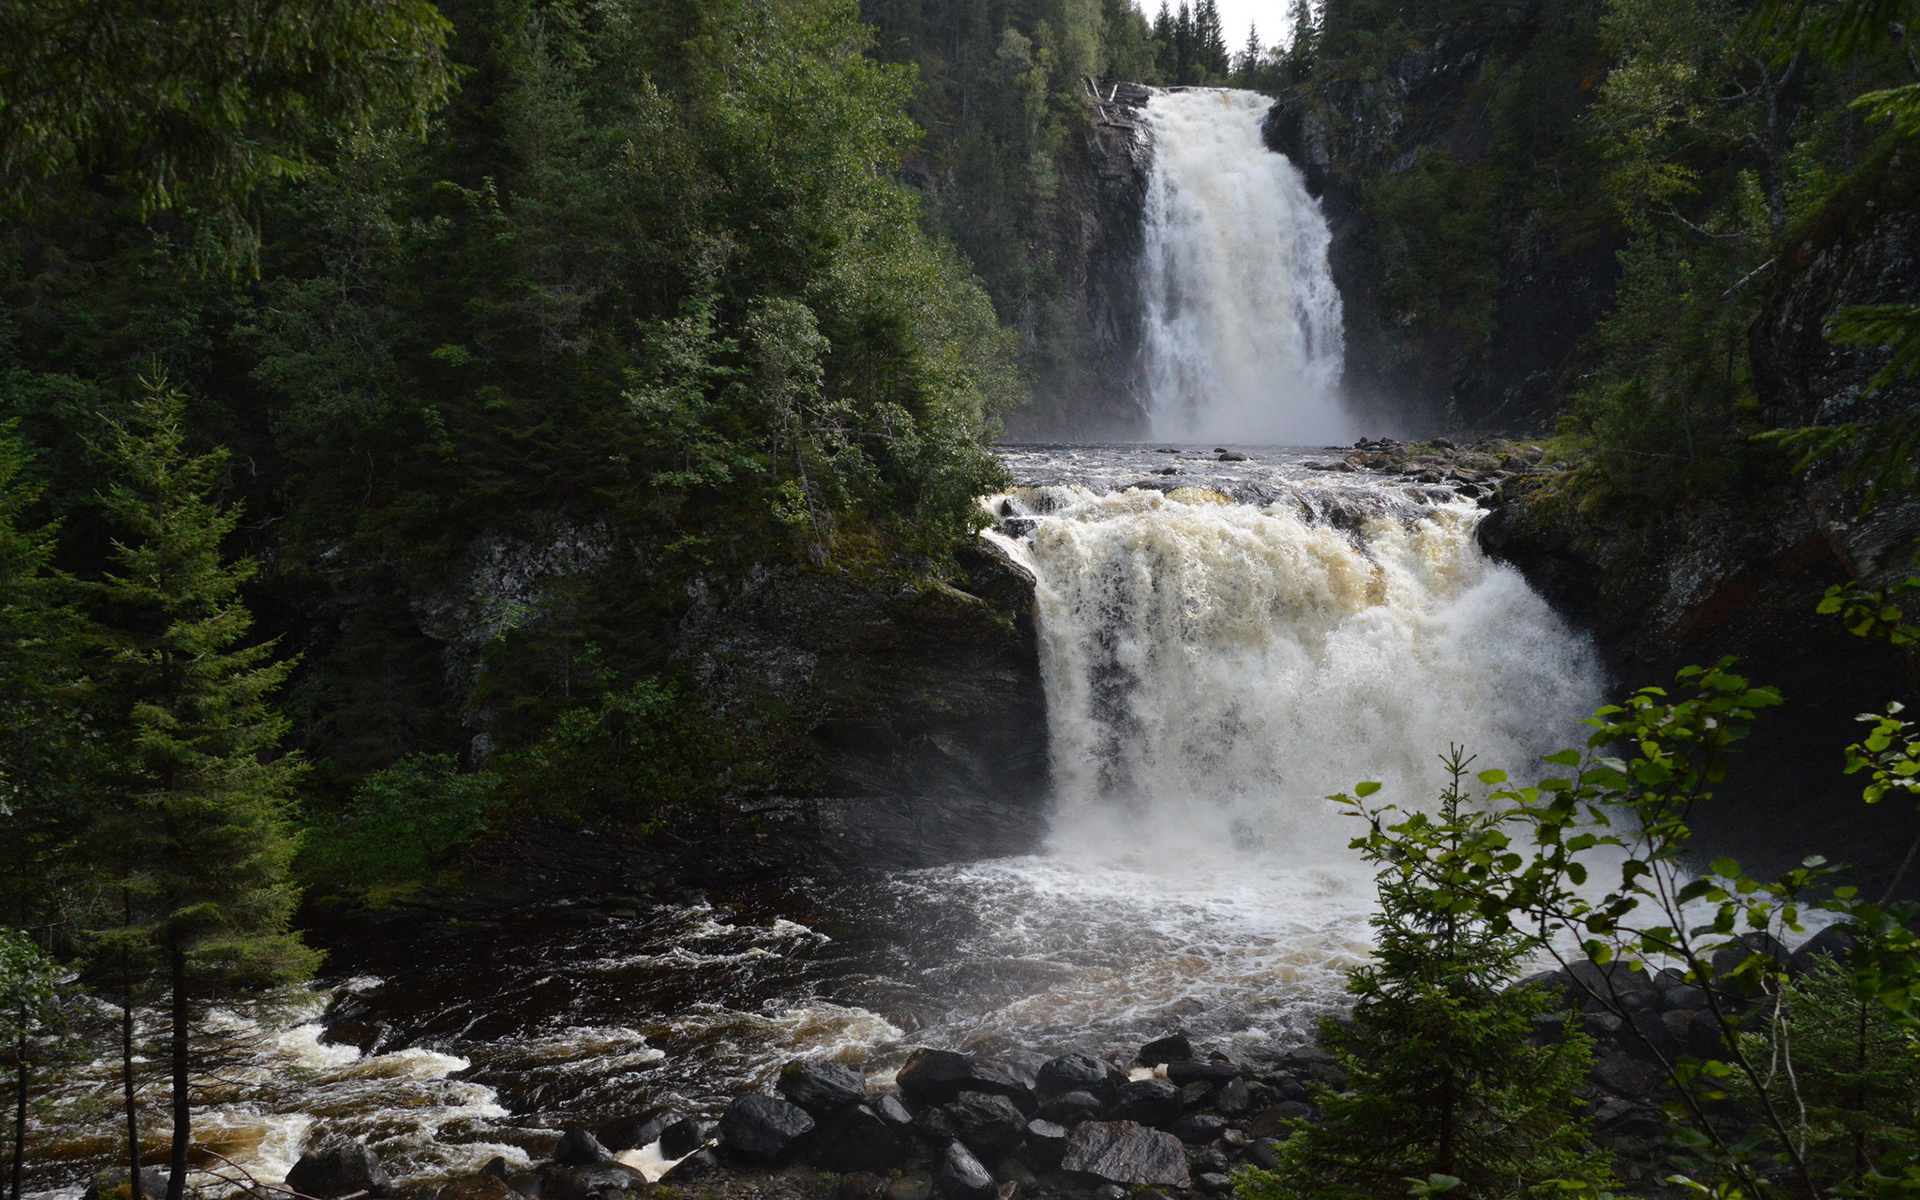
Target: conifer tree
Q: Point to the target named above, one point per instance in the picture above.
(1210, 43)
(207, 840)
(1446, 1091)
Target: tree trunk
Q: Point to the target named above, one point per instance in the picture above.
(126, 1076)
(20, 1109)
(182, 1105)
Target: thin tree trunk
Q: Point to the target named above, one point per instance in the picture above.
(182, 1103)
(20, 1109)
(126, 1068)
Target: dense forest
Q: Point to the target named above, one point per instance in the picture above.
(383, 384)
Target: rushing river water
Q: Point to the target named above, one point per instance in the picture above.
(1220, 652)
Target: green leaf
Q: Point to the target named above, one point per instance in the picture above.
(1365, 789)
(1565, 758)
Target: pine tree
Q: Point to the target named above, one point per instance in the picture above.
(207, 840)
(1444, 1081)
(1184, 72)
(1210, 43)
(1246, 71)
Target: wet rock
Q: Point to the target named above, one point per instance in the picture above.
(856, 1139)
(1206, 1159)
(684, 1136)
(1072, 1073)
(1175, 1047)
(1125, 1152)
(1285, 1087)
(1834, 941)
(632, 1135)
(578, 1148)
(1304, 1058)
(1195, 1095)
(1046, 1143)
(497, 1167)
(1233, 1139)
(1702, 1038)
(1635, 999)
(933, 1076)
(1263, 1154)
(892, 1112)
(1072, 1108)
(153, 1184)
(1213, 1074)
(333, 1173)
(587, 1182)
(1625, 1076)
(991, 1125)
(1231, 456)
(1606, 982)
(1548, 1028)
(475, 1187)
(935, 1125)
(1603, 1025)
(961, 1176)
(1198, 1129)
(763, 1127)
(822, 1086)
(697, 1165)
(910, 1187)
(1278, 1120)
(1654, 1038)
(1213, 1183)
(997, 1077)
(860, 1185)
(1682, 997)
(526, 1184)
(1231, 1099)
(1148, 1102)
(1012, 1171)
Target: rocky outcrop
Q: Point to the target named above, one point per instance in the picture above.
(1413, 376)
(1108, 192)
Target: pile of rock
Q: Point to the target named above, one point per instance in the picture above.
(1172, 1118)
(1476, 470)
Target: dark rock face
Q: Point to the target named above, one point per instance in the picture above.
(856, 1138)
(684, 1136)
(1422, 381)
(822, 1087)
(1072, 1073)
(991, 1125)
(579, 1148)
(1126, 1153)
(961, 1176)
(933, 1076)
(1105, 400)
(763, 1127)
(341, 1171)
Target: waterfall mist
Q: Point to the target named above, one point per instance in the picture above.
(1242, 319)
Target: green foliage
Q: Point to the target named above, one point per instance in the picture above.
(1855, 1079)
(398, 824)
(1445, 1086)
(194, 104)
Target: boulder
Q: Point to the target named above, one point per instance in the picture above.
(857, 1139)
(474, 1187)
(697, 1165)
(1125, 1152)
(1072, 1108)
(1702, 1038)
(1655, 1039)
(990, 1125)
(1605, 981)
(105, 1185)
(998, 1077)
(1213, 1074)
(1682, 997)
(526, 1184)
(1626, 1076)
(1147, 1102)
(578, 1148)
(1073, 1073)
(892, 1112)
(936, 1126)
(933, 1076)
(764, 1127)
(1262, 1154)
(1213, 1183)
(588, 1182)
(822, 1086)
(1198, 1129)
(1175, 1047)
(1278, 1120)
(960, 1176)
(1046, 1143)
(1548, 1028)
(684, 1136)
(632, 1135)
(340, 1171)
(1232, 1098)
(1195, 1095)
(1835, 941)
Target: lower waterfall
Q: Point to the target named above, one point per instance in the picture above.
(1242, 338)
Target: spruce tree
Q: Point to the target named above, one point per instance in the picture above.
(207, 840)
(1444, 1080)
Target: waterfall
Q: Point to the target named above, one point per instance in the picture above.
(1214, 670)
(1242, 338)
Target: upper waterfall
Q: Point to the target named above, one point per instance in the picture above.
(1242, 336)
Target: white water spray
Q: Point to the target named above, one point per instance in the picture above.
(1215, 670)
(1242, 340)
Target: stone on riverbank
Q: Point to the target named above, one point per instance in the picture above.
(337, 1172)
(822, 1086)
(933, 1076)
(764, 1127)
(962, 1176)
(856, 1139)
(1125, 1152)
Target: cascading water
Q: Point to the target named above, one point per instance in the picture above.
(1242, 339)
